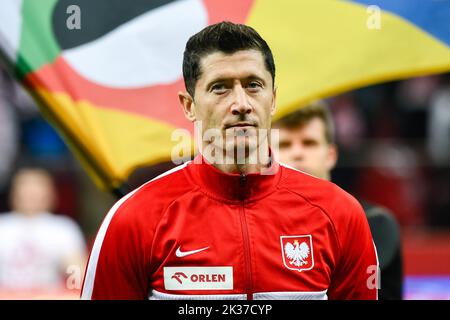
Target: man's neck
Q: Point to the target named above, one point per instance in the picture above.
(251, 163)
(239, 168)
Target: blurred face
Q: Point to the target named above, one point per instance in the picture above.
(234, 97)
(306, 148)
(32, 192)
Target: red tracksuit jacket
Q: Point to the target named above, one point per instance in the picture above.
(198, 233)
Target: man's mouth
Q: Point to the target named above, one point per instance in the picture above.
(240, 125)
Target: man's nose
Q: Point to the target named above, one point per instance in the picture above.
(241, 103)
(297, 151)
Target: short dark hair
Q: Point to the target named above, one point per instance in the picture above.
(300, 117)
(226, 37)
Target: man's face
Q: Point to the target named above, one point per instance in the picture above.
(32, 192)
(233, 95)
(306, 148)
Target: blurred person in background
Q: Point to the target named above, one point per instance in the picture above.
(438, 137)
(307, 144)
(42, 255)
(438, 146)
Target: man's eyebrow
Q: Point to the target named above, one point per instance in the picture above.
(255, 77)
(216, 80)
(226, 79)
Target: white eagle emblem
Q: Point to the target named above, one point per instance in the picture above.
(297, 252)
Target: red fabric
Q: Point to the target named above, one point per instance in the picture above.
(242, 224)
(426, 253)
(402, 194)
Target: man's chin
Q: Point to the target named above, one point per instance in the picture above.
(242, 147)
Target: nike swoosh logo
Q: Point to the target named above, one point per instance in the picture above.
(181, 254)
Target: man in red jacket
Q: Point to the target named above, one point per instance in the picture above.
(227, 226)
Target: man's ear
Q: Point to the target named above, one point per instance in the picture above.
(274, 100)
(332, 156)
(187, 103)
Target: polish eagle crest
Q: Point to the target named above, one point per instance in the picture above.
(297, 252)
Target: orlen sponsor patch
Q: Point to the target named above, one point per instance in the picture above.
(198, 278)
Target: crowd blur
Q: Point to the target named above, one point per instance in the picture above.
(41, 254)
(394, 150)
(49, 208)
(394, 142)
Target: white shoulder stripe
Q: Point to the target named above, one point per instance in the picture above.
(95, 253)
(289, 167)
(291, 295)
(156, 295)
(287, 295)
(181, 166)
(378, 278)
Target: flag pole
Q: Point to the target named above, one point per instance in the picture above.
(121, 191)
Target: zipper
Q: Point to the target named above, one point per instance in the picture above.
(244, 227)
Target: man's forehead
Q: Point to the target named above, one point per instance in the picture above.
(241, 63)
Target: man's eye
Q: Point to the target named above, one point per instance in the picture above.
(284, 144)
(254, 85)
(310, 143)
(218, 88)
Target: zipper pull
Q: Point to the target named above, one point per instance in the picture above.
(243, 179)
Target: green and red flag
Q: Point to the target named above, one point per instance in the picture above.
(110, 86)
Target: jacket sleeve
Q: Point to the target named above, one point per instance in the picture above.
(117, 266)
(356, 276)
